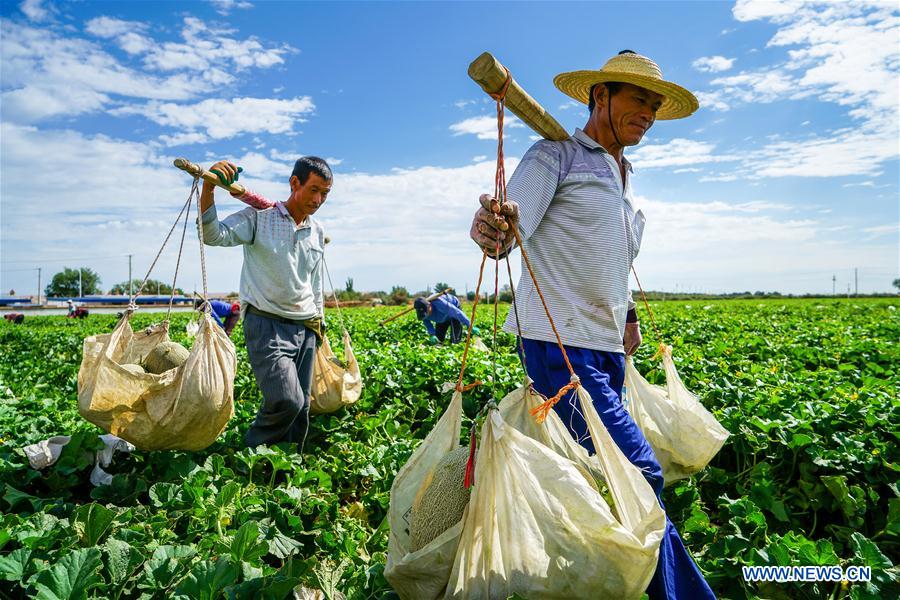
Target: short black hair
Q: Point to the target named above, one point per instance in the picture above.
(612, 87)
(311, 164)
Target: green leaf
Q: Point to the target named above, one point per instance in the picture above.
(246, 545)
(122, 560)
(263, 588)
(281, 545)
(165, 567)
(70, 577)
(207, 579)
(12, 565)
(13, 497)
(163, 494)
(865, 549)
(91, 522)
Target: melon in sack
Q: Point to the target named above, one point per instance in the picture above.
(423, 574)
(185, 408)
(534, 526)
(335, 385)
(516, 408)
(683, 434)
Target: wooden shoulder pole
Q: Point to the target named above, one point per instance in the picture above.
(195, 170)
(403, 312)
(487, 72)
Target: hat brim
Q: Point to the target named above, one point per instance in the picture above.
(678, 102)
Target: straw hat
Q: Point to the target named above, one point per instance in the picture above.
(630, 67)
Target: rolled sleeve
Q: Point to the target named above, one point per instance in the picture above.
(234, 230)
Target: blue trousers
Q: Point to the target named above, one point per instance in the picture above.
(602, 374)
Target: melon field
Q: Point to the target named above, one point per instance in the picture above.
(808, 389)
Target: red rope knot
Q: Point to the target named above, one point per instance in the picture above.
(501, 95)
(540, 413)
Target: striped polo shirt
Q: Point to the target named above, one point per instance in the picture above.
(581, 232)
(282, 271)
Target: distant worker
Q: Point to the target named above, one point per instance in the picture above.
(71, 307)
(226, 314)
(440, 314)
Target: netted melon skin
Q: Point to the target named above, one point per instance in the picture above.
(441, 502)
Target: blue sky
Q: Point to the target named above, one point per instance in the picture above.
(786, 176)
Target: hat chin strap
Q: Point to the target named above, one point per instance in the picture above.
(613, 129)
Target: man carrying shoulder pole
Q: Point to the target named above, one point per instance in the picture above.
(572, 204)
(281, 293)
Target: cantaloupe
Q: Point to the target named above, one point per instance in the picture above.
(441, 500)
(133, 368)
(165, 356)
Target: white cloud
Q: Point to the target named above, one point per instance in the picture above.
(479, 158)
(713, 64)
(46, 74)
(883, 229)
(36, 10)
(463, 103)
(484, 127)
(571, 104)
(677, 152)
(841, 53)
(227, 118)
(224, 7)
(181, 139)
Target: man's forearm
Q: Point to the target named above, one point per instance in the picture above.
(207, 196)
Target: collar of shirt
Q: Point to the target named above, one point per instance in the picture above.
(590, 143)
(284, 212)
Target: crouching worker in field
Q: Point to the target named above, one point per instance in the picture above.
(572, 204)
(440, 315)
(226, 314)
(281, 293)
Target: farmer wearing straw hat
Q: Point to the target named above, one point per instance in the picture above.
(572, 204)
(282, 289)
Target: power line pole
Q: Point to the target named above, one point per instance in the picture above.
(129, 275)
(80, 292)
(39, 286)
(856, 281)
(834, 285)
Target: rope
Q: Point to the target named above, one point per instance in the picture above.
(647, 304)
(333, 294)
(131, 304)
(540, 412)
(462, 367)
(512, 290)
(195, 189)
(187, 216)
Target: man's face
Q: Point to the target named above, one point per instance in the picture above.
(634, 112)
(310, 195)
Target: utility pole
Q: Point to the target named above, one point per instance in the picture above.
(848, 290)
(39, 286)
(833, 285)
(856, 281)
(129, 275)
(80, 292)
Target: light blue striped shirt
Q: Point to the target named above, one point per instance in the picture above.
(581, 232)
(282, 270)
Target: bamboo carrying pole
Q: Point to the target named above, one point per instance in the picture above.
(400, 314)
(186, 165)
(487, 72)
